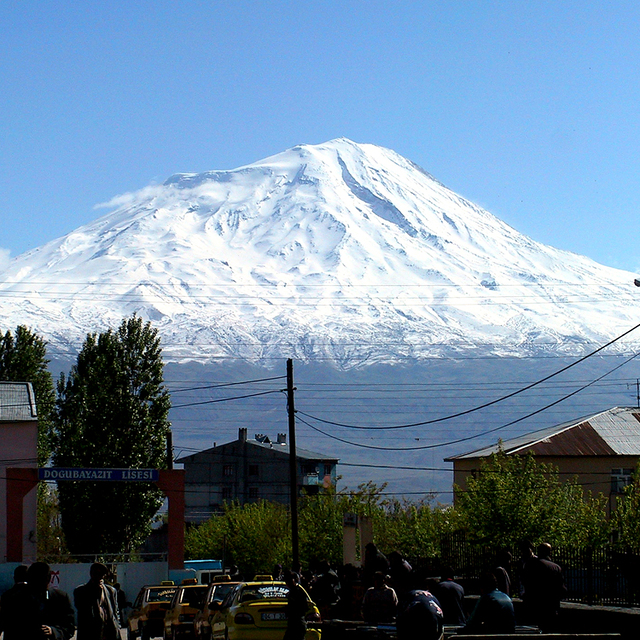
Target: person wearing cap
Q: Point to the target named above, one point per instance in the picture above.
(97, 606)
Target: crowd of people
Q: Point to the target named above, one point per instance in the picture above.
(385, 590)
(33, 610)
(388, 590)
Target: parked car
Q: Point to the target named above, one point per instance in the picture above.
(146, 619)
(257, 611)
(186, 602)
(216, 593)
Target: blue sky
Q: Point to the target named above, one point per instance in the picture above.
(530, 109)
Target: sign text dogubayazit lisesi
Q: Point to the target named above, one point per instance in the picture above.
(109, 475)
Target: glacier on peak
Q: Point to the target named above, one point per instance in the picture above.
(342, 251)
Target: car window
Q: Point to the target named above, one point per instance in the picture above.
(160, 595)
(220, 592)
(230, 597)
(264, 592)
(193, 596)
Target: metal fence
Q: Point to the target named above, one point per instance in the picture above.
(603, 575)
(607, 575)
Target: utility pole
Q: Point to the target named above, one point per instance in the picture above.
(293, 464)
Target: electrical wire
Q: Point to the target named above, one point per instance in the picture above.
(486, 404)
(227, 384)
(249, 395)
(477, 435)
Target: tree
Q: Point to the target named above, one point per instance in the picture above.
(320, 519)
(112, 412)
(51, 543)
(515, 497)
(23, 358)
(254, 536)
(627, 513)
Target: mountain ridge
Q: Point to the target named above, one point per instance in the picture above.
(341, 251)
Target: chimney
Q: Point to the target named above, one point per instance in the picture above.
(242, 434)
(282, 438)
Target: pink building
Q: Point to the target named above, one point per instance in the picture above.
(18, 448)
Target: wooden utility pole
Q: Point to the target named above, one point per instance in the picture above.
(293, 464)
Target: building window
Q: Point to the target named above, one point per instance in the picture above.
(327, 469)
(309, 468)
(253, 493)
(253, 469)
(226, 493)
(227, 470)
(620, 478)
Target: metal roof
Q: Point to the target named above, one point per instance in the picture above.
(614, 432)
(17, 402)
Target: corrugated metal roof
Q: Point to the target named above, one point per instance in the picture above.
(612, 432)
(17, 402)
(620, 428)
(581, 440)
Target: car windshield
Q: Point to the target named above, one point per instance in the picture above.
(264, 592)
(160, 595)
(193, 596)
(220, 592)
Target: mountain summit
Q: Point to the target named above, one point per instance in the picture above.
(341, 251)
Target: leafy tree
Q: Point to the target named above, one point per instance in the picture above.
(515, 497)
(626, 516)
(412, 529)
(23, 358)
(320, 519)
(112, 411)
(254, 536)
(51, 544)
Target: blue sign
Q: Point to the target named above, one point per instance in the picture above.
(100, 475)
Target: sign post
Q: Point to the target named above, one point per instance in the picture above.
(170, 481)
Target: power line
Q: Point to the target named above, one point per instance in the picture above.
(227, 384)
(477, 435)
(486, 404)
(203, 402)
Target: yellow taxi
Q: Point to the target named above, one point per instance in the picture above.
(257, 611)
(146, 619)
(186, 602)
(217, 592)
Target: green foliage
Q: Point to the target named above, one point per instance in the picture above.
(412, 529)
(626, 516)
(320, 520)
(257, 536)
(112, 411)
(515, 497)
(23, 358)
(51, 543)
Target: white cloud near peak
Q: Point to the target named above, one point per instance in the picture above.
(5, 258)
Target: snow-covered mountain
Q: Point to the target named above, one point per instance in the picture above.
(340, 251)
